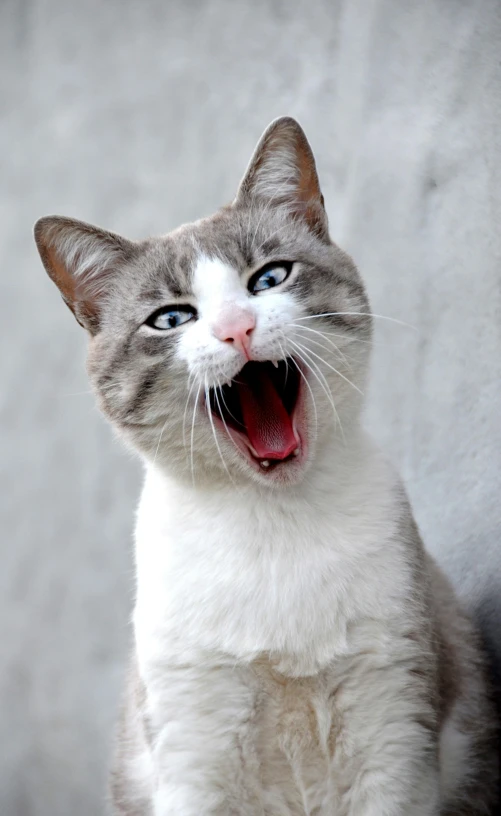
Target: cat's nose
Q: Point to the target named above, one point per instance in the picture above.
(235, 325)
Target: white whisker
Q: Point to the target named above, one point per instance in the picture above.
(361, 314)
(284, 357)
(91, 391)
(186, 411)
(225, 404)
(223, 420)
(211, 419)
(314, 353)
(342, 356)
(305, 378)
(325, 387)
(193, 432)
(160, 439)
(313, 363)
(348, 338)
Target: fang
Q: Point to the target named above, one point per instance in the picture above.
(265, 463)
(296, 452)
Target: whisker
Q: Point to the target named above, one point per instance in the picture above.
(314, 353)
(285, 358)
(311, 392)
(193, 432)
(313, 363)
(211, 419)
(319, 376)
(327, 390)
(216, 389)
(348, 338)
(160, 439)
(91, 391)
(223, 420)
(342, 356)
(226, 406)
(361, 314)
(286, 370)
(325, 387)
(186, 410)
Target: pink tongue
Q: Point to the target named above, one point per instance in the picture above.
(268, 425)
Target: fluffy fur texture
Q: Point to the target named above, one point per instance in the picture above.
(296, 649)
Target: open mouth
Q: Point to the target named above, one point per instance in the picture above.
(257, 411)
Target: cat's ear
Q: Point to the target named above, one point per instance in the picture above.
(82, 260)
(282, 172)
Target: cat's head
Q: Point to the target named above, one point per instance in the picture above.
(236, 345)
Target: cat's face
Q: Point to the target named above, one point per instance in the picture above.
(234, 346)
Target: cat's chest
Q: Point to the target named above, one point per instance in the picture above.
(295, 735)
(229, 584)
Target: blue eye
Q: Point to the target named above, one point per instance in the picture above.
(269, 276)
(170, 318)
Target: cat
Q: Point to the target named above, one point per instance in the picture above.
(296, 650)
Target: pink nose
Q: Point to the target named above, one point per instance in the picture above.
(235, 325)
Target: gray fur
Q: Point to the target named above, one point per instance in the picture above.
(143, 389)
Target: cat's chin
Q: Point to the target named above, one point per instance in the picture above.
(285, 471)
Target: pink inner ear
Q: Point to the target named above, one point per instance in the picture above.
(59, 273)
(74, 292)
(308, 188)
(80, 259)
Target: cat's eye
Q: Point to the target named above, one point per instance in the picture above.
(271, 275)
(170, 317)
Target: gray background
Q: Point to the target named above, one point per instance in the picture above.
(140, 115)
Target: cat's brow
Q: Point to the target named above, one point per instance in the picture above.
(152, 295)
(176, 289)
(164, 295)
(270, 246)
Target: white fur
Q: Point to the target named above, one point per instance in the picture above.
(223, 579)
(269, 620)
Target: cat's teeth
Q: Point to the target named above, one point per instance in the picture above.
(296, 452)
(264, 463)
(275, 363)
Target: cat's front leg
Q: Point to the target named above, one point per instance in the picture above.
(387, 752)
(390, 784)
(402, 797)
(201, 718)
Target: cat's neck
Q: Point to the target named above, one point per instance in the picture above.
(224, 544)
(341, 467)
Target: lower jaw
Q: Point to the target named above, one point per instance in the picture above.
(287, 470)
(281, 470)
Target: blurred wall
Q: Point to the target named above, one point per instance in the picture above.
(140, 115)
